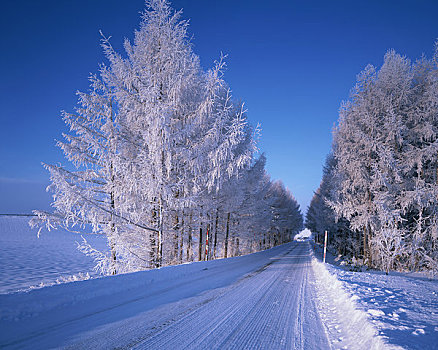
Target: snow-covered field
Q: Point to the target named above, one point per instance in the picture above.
(402, 307)
(30, 262)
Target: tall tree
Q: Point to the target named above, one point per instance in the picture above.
(161, 149)
(384, 182)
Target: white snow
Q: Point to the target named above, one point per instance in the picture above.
(304, 234)
(347, 325)
(402, 307)
(376, 313)
(275, 299)
(29, 262)
(262, 298)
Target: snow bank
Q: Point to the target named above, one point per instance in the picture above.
(403, 307)
(346, 324)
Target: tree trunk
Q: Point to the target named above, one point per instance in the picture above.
(175, 240)
(215, 233)
(160, 236)
(200, 239)
(200, 243)
(364, 244)
(153, 239)
(113, 258)
(181, 242)
(227, 233)
(112, 226)
(207, 242)
(189, 240)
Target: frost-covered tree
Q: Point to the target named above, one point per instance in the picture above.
(368, 148)
(191, 135)
(420, 195)
(160, 151)
(320, 217)
(159, 88)
(90, 192)
(286, 219)
(255, 211)
(384, 182)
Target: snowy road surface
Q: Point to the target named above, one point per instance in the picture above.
(272, 308)
(261, 301)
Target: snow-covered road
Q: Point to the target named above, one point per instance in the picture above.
(271, 308)
(261, 301)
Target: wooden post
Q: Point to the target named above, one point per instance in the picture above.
(325, 245)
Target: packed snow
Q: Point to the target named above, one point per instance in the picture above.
(30, 262)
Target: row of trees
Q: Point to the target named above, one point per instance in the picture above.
(379, 192)
(163, 159)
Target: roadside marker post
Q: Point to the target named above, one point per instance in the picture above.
(325, 246)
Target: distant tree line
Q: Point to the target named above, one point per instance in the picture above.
(162, 159)
(379, 193)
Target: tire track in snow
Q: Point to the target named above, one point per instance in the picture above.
(267, 310)
(230, 309)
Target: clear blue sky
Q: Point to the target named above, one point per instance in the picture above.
(292, 62)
